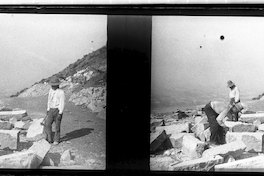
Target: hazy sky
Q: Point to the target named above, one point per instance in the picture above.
(188, 55)
(35, 46)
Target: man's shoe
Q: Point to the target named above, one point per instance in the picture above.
(55, 143)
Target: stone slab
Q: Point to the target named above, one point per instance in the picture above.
(19, 112)
(234, 149)
(261, 127)
(192, 146)
(244, 128)
(250, 118)
(253, 164)
(200, 164)
(35, 128)
(252, 140)
(40, 148)
(9, 139)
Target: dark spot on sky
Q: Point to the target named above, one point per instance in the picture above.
(222, 37)
(200, 46)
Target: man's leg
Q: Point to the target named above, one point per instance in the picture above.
(48, 126)
(57, 128)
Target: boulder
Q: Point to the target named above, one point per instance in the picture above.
(192, 146)
(244, 128)
(67, 158)
(6, 126)
(9, 139)
(234, 149)
(253, 164)
(250, 118)
(176, 139)
(252, 140)
(200, 164)
(176, 128)
(35, 128)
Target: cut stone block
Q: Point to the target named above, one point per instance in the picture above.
(19, 112)
(254, 164)
(66, 158)
(199, 129)
(234, 149)
(200, 119)
(176, 139)
(192, 146)
(244, 128)
(261, 127)
(200, 164)
(19, 124)
(35, 128)
(257, 122)
(156, 140)
(231, 124)
(22, 160)
(253, 141)
(47, 161)
(40, 148)
(6, 126)
(9, 139)
(250, 118)
(176, 128)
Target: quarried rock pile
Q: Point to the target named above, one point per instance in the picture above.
(189, 147)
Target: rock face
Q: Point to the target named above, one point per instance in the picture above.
(253, 141)
(9, 139)
(234, 149)
(253, 164)
(200, 164)
(192, 147)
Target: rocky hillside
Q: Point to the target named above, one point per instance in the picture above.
(83, 81)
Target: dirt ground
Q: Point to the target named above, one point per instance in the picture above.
(81, 131)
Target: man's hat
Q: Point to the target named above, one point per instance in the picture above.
(230, 83)
(54, 81)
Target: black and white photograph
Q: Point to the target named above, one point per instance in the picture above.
(53, 91)
(207, 93)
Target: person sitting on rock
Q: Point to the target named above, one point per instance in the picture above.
(217, 113)
(55, 107)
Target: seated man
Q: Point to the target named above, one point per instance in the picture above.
(217, 113)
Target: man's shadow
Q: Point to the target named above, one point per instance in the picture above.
(76, 134)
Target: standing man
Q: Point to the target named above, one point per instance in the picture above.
(55, 108)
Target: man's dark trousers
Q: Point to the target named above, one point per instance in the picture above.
(53, 115)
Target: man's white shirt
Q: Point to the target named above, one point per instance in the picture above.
(56, 99)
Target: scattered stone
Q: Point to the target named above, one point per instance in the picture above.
(47, 161)
(176, 139)
(161, 162)
(229, 159)
(35, 128)
(199, 129)
(20, 112)
(244, 128)
(21, 160)
(192, 146)
(200, 164)
(26, 125)
(231, 124)
(67, 158)
(257, 122)
(26, 118)
(9, 139)
(6, 126)
(19, 124)
(176, 128)
(253, 141)
(200, 119)
(250, 118)
(234, 149)
(40, 148)
(156, 140)
(254, 164)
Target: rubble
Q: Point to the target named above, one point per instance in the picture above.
(200, 164)
(9, 139)
(234, 149)
(253, 164)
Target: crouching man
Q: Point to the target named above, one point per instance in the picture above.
(55, 108)
(217, 113)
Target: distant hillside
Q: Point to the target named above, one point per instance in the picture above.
(83, 81)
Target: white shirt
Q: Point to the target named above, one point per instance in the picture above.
(56, 99)
(234, 93)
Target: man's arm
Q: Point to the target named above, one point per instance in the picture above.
(48, 108)
(236, 95)
(221, 117)
(62, 102)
